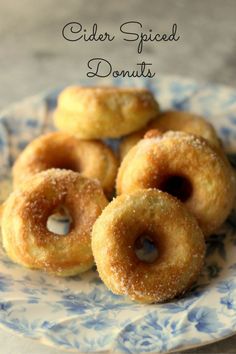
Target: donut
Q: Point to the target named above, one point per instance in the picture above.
(25, 236)
(185, 166)
(175, 121)
(1, 212)
(175, 233)
(62, 150)
(104, 112)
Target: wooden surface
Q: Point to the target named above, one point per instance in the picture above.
(35, 57)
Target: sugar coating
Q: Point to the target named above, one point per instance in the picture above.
(178, 237)
(176, 121)
(62, 150)
(25, 235)
(153, 160)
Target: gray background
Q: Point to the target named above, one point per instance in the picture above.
(35, 57)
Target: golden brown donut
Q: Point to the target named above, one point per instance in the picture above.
(186, 166)
(25, 236)
(174, 231)
(61, 150)
(1, 212)
(176, 121)
(104, 112)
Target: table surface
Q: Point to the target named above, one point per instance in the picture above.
(35, 57)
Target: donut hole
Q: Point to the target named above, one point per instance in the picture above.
(145, 249)
(66, 164)
(178, 186)
(60, 221)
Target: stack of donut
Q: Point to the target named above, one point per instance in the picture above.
(174, 187)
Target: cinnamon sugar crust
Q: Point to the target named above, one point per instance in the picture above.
(175, 121)
(62, 150)
(179, 240)
(26, 238)
(152, 162)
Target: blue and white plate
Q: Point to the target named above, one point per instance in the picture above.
(79, 313)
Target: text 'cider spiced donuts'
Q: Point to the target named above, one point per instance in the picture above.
(185, 166)
(25, 236)
(173, 230)
(62, 150)
(104, 112)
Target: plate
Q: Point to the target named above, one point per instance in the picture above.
(79, 314)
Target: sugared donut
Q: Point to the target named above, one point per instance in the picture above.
(176, 121)
(176, 234)
(104, 112)
(186, 166)
(1, 212)
(25, 236)
(61, 150)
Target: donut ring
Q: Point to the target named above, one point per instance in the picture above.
(179, 240)
(25, 236)
(176, 121)
(104, 112)
(186, 166)
(61, 150)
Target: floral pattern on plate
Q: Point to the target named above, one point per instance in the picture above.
(79, 313)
